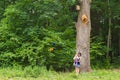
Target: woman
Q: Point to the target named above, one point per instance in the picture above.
(77, 59)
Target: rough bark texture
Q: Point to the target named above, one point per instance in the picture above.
(83, 35)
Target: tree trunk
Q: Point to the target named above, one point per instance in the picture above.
(109, 31)
(109, 39)
(119, 43)
(83, 27)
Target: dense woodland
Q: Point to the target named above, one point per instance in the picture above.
(42, 33)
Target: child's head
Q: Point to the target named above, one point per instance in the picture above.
(79, 54)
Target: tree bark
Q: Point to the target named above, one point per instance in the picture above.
(119, 43)
(109, 31)
(109, 39)
(83, 28)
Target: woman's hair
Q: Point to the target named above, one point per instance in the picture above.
(79, 53)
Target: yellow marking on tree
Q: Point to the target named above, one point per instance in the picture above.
(84, 19)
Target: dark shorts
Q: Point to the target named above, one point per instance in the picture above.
(76, 64)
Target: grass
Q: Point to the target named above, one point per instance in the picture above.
(36, 73)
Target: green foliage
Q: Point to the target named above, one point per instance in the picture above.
(97, 47)
(115, 62)
(98, 54)
(38, 73)
(101, 12)
(29, 28)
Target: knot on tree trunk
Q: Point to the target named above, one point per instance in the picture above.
(77, 7)
(84, 19)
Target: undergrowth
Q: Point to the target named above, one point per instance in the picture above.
(40, 73)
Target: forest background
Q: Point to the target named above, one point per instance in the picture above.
(42, 33)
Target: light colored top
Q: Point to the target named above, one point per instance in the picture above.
(76, 57)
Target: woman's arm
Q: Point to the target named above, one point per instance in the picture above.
(74, 57)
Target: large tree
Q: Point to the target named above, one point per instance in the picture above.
(83, 27)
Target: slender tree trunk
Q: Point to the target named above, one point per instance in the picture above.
(109, 31)
(83, 27)
(109, 39)
(119, 43)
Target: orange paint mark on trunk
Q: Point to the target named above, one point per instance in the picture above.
(84, 19)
